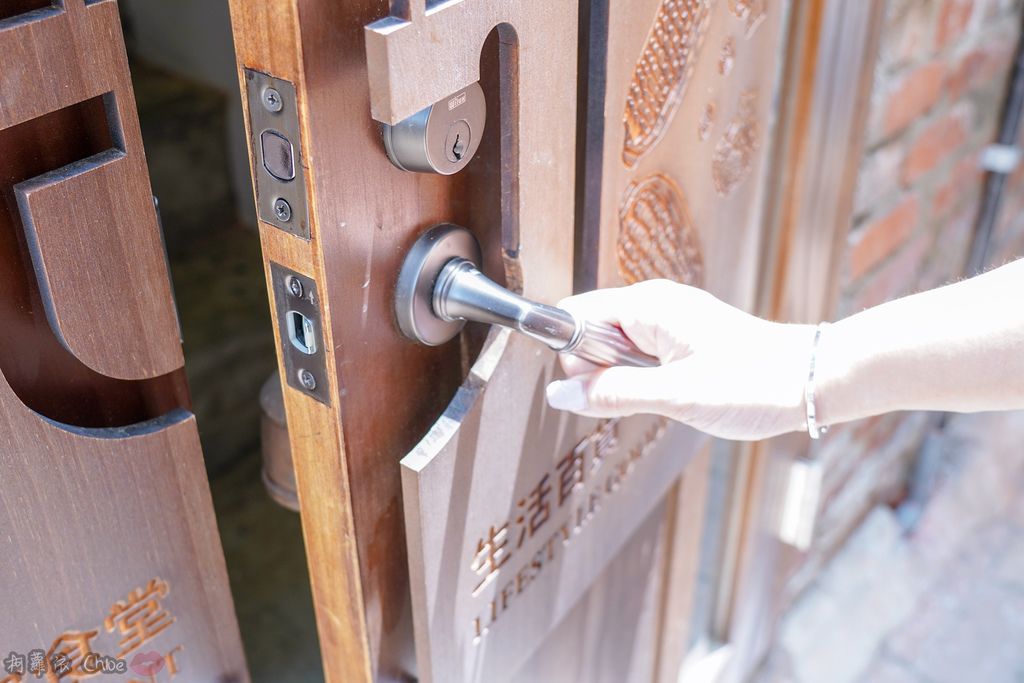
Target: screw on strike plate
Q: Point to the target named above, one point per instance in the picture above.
(283, 210)
(295, 286)
(307, 380)
(272, 100)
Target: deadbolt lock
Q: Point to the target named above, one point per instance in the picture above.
(441, 138)
(276, 147)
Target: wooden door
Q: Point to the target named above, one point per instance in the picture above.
(457, 529)
(109, 553)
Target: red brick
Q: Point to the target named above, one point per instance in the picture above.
(912, 96)
(964, 181)
(949, 255)
(969, 170)
(1011, 210)
(1010, 223)
(979, 67)
(955, 233)
(878, 178)
(964, 75)
(946, 197)
(908, 33)
(1011, 250)
(990, 9)
(1016, 179)
(933, 146)
(953, 19)
(898, 277)
(876, 240)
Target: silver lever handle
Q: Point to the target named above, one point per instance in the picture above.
(462, 292)
(605, 344)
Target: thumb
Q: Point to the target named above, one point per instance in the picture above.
(611, 392)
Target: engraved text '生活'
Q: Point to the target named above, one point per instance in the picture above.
(586, 462)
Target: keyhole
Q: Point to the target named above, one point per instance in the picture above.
(456, 142)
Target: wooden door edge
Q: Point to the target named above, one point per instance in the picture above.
(328, 525)
(683, 532)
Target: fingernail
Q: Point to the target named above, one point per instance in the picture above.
(569, 394)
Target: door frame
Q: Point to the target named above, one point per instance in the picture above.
(818, 147)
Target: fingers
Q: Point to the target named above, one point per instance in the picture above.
(574, 365)
(643, 301)
(615, 304)
(600, 305)
(647, 312)
(611, 392)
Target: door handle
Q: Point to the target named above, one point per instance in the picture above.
(440, 287)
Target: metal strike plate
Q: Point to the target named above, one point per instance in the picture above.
(297, 305)
(276, 153)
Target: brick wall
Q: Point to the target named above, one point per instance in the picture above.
(936, 102)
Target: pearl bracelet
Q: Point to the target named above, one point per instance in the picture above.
(813, 429)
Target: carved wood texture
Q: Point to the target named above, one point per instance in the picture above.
(364, 214)
(98, 268)
(657, 238)
(105, 506)
(679, 190)
(692, 199)
(396, 550)
(662, 73)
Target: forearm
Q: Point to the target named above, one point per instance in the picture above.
(958, 348)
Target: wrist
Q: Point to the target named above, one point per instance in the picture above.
(836, 371)
(814, 428)
(793, 358)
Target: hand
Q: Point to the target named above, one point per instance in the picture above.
(723, 371)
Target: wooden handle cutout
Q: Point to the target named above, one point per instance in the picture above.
(100, 270)
(90, 225)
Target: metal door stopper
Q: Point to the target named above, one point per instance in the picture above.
(440, 287)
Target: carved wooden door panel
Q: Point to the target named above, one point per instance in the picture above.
(676, 144)
(457, 529)
(677, 134)
(110, 560)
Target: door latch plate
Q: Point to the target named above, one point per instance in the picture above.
(276, 148)
(297, 306)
